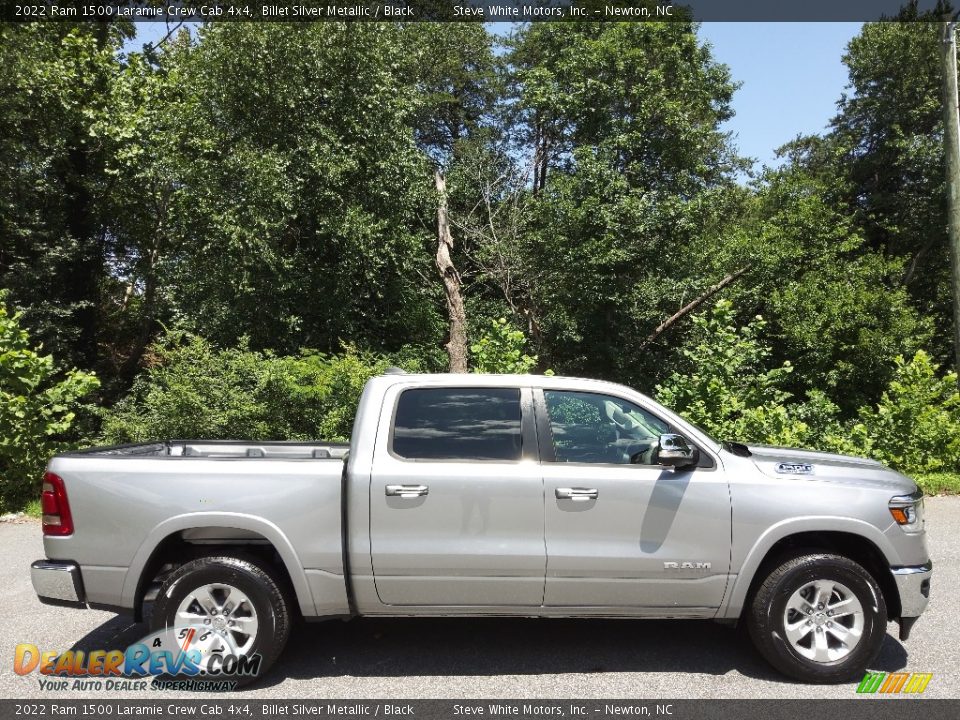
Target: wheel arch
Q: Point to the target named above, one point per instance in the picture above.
(185, 537)
(856, 540)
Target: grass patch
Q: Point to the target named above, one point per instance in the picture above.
(939, 483)
(32, 508)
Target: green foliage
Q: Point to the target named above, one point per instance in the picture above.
(939, 483)
(881, 164)
(38, 408)
(916, 425)
(192, 389)
(728, 389)
(452, 66)
(502, 349)
(300, 195)
(282, 210)
(806, 249)
(52, 253)
(731, 393)
(633, 179)
(316, 395)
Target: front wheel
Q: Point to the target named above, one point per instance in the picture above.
(819, 618)
(231, 611)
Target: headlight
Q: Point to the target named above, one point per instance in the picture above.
(907, 511)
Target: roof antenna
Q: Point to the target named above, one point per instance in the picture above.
(393, 370)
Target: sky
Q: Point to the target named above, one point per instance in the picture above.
(791, 77)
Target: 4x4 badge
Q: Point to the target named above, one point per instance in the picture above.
(788, 468)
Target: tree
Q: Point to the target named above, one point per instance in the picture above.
(194, 389)
(52, 244)
(835, 305)
(140, 129)
(298, 210)
(882, 160)
(915, 427)
(951, 145)
(457, 317)
(727, 385)
(632, 185)
(502, 349)
(452, 70)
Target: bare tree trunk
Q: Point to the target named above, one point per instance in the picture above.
(147, 322)
(536, 156)
(544, 161)
(692, 305)
(457, 344)
(541, 157)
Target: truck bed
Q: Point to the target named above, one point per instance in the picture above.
(129, 500)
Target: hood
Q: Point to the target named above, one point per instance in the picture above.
(807, 465)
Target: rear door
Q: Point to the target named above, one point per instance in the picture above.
(456, 502)
(622, 532)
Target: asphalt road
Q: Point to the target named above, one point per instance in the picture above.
(490, 658)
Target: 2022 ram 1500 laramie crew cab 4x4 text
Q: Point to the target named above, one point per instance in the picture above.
(494, 495)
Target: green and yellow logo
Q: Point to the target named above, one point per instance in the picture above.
(881, 682)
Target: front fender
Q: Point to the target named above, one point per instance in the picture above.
(734, 602)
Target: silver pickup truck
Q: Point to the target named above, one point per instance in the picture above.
(465, 495)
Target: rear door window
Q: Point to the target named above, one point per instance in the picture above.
(458, 424)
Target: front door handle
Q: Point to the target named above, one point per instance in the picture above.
(407, 491)
(577, 494)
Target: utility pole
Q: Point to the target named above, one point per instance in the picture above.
(951, 141)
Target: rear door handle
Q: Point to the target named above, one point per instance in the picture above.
(576, 494)
(407, 491)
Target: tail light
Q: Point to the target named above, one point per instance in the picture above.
(56, 510)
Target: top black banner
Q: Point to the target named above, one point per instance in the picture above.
(174, 11)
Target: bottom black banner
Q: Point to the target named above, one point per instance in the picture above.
(860, 708)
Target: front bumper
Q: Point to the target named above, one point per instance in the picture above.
(913, 584)
(58, 583)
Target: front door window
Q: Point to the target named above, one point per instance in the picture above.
(594, 428)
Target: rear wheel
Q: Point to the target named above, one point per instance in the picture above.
(818, 618)
(231, 610)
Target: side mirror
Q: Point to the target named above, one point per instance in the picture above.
(674, 451)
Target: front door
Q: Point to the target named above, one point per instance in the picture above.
(456, 502)
(622, 532)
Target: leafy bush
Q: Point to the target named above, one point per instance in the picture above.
(320, 392)
(38, 408)
(194, 390)
(915, 427)
(502, 349)
(728, 390)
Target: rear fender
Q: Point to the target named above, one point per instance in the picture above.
(240, 521)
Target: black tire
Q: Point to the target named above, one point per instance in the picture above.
(255, 579)
(767, 608)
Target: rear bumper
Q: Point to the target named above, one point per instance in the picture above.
(913, 584)
(58, 583)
